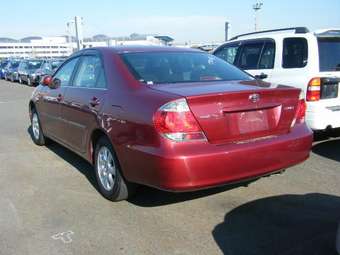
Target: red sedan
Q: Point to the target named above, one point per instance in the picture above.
(170, 118)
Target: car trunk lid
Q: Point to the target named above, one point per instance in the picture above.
(239, 111)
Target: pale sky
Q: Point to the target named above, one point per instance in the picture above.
(195, 21)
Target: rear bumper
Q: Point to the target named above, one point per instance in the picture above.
(322, 118)
(200, 166)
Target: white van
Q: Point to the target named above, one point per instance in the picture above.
(296, 57)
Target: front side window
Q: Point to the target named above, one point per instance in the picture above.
(267, 56)
(295, 53)
(64, 74)
(180, 67)
(228, 53)
(90, 73)
(250, 56)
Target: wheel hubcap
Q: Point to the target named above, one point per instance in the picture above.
(35, 126)
(106, 168)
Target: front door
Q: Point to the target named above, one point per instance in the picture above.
(53, 98)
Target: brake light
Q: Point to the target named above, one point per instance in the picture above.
(313, 90)
(175, 121)
(301, 111)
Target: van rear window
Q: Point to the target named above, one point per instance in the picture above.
(329, 54)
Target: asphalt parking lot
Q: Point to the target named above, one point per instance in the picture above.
(49, 204)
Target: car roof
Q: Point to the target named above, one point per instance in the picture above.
(285, 32)
(140, 48)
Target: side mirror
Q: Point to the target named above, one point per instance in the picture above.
(47, 80)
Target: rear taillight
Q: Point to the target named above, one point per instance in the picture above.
(300, 113)
(314, 90)
(175, 121)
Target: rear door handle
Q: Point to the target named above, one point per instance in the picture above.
(261, 76)
(94, 102)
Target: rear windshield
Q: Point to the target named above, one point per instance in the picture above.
(329, 54)
(179, 67)
(34, 64)
(14, 64)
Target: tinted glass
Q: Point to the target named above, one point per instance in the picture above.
(34, 64)
(14, 64)
(295, 53)
(3, 64)
(250, 56)
(179, 67)
(268, 56)
(89, 73)
(329, 54)
(228, 53)
(56, 64)
(65, 72)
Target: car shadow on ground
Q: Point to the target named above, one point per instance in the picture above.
(287, 224)
(73, 159)
(328, 149)
(150, 197)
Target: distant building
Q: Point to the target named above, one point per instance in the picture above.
(46, 47)
(63, 46)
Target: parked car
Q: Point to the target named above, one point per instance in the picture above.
(3, 65)
(30, 71)
(296, 57)
(11, 70)
(175, 119)
(50, 66)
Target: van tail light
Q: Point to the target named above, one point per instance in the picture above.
(314, 90)
(176, 122)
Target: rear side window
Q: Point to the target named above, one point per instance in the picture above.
(90, 73)
(228, 53)
(250, 56)
(329, 54)
(267, 56)
(295, 53)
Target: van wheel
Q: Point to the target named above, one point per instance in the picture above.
(37, 133)
(112, 184)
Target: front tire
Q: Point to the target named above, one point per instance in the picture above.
(112, 184)
(37, 133)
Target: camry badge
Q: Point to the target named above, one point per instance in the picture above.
(254, 98)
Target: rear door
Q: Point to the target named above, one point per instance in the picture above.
(84, 100)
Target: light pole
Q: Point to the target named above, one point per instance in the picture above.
(226, 31)
(256, 8)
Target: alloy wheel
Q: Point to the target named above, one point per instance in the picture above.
(35, 126)
(106, 168)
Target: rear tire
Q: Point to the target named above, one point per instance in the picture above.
(111, 182)
(37, 133)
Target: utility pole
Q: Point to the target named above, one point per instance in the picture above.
(78, 21)
(226, 31)
(256, 8)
